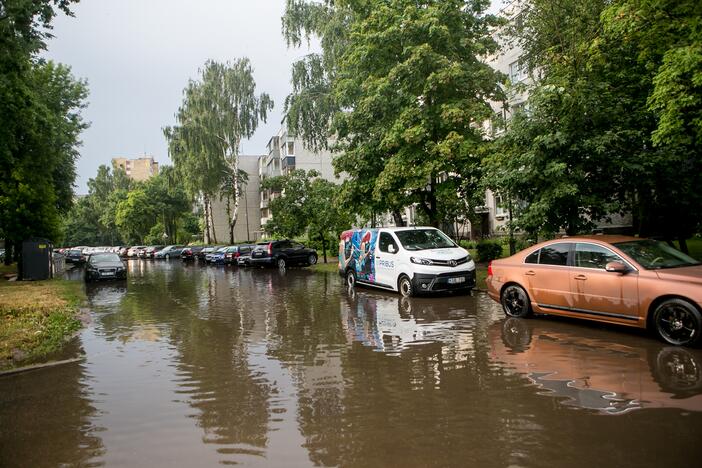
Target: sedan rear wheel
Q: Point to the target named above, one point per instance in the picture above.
(678, 322)
(168, 257)
(281, 263)
(312, 259)
(515, 301)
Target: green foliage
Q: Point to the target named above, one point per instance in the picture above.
(307, 203)
(400, 85)
(40, 121)
(488, 250)
(216, 113)
(591, 141)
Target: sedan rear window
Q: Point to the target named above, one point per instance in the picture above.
(555, 254)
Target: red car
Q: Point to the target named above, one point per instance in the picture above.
(615, 279)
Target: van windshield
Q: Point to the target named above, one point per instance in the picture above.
(422, 239)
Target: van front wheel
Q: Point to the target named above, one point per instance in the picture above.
(405, 286)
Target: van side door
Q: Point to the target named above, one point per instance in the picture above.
(386, 260)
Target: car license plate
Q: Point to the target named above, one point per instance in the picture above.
(460, 279)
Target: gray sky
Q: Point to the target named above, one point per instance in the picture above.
(138, 55)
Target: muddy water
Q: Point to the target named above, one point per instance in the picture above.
(197, 366)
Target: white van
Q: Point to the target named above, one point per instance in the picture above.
(410, 260)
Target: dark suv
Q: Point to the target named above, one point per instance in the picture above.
(282, 253)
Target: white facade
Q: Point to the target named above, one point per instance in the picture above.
(248, 224)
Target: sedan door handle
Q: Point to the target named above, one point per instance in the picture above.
(580, 277)
(530, 273)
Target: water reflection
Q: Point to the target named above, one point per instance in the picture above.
(604, 371)
(46, 418)
(194, 366)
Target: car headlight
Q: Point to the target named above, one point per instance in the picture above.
(468, 258)
(421, 261)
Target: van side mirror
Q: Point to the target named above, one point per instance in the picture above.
(391, 248)
(616, 267)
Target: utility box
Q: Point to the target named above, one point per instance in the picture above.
(36, 259)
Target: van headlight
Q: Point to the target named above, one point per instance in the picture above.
(421, 261)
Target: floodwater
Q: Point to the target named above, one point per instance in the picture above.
(186, 365)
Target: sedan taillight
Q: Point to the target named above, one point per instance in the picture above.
(489, 272)
(270, 248)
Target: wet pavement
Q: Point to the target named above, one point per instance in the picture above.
(194, 366)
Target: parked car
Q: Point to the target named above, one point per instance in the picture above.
(122, 252)
(241, 256)
(410, 260)
(168, 252)
(191, 252)
(282, 253)
(614, 279)
(74, 256)
(150, 252)
(201, 255)
(132, 252)
(219, 255)
(103, 266)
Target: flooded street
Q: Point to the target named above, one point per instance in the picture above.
(188, 365)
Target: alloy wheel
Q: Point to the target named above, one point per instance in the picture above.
(515, 302)
(678, 322)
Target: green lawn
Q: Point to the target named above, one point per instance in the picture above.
(36, 318)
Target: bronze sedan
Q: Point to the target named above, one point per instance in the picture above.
(615, 279)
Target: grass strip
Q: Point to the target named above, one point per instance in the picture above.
(36, 318)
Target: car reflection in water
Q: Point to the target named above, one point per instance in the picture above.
(392, 324)
(616, 376)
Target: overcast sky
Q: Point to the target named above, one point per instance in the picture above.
(138, 55)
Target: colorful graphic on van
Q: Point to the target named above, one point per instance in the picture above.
(357, 251)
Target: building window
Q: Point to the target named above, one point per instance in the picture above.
(516, 72)
(500, 210)
(291, 148)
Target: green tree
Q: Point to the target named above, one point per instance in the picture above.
(136, 215)
(39, 124)
(586, 147)
(409, 90)
(216, 114)
(307, 204)
(168, 201)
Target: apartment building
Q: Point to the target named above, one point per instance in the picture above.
(284, 154)
(248, 224)
(138, 169)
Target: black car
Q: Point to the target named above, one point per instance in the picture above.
(191, 252)
(282, 253)
(74, 256)
(102, 266)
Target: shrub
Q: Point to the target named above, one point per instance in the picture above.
(488, 251)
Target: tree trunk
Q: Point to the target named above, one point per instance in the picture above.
(212, 225)
(397, 216)
(324, 246)
(433, 211)
(683, 244)
(8, 251)
(229, 218)
(234, 164)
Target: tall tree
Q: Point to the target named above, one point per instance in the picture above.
(307, 203)
(408, 90)
(217, 113)
(39, 124)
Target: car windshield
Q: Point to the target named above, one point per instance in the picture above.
(655, 255)
(421, 239)
(104, 257)
(74, 252)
